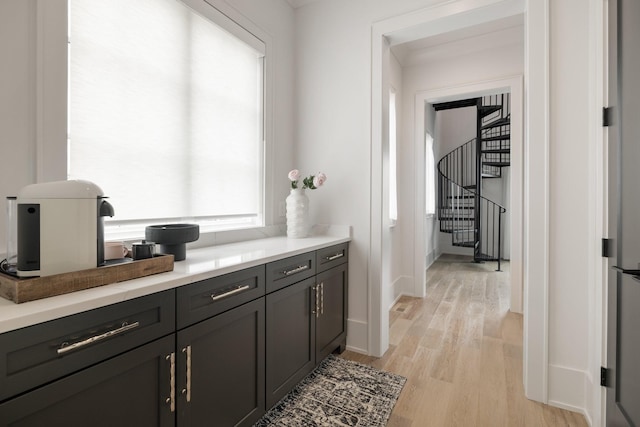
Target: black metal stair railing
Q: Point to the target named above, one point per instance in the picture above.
(495, 134)
(458, 202)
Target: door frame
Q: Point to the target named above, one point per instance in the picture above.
(514, 86)
(446, 17)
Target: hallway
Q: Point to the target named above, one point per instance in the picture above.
(461, 350)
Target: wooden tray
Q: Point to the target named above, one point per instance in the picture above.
(21, 290)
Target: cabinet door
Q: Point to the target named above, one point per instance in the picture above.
(220, 372)
(128, 390)
(331, 322)
(290, 338)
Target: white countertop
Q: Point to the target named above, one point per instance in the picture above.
(200, 264)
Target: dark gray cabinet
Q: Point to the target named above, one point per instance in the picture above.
(104, 367)
(132, 389)
(290, 337)
(215, 352)
(306, 315)
(42, 353)
(331, 311)
(220, 368)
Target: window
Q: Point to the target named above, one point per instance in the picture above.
(166, 112)
(430, 177)
(393, 189)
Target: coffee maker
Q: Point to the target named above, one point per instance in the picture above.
(60, 227)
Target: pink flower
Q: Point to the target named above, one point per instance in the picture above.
(294, 175)
(319, 179)
(311, 182)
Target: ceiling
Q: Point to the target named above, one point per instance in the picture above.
(496, 33)
(500, 32)
(467, 33)
(300, 3)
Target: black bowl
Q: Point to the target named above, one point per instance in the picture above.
(173, 238)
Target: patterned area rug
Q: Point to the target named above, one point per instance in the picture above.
(338, 393)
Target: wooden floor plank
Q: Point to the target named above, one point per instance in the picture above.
(460, 349)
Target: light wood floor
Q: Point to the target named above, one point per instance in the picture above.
(461, 351)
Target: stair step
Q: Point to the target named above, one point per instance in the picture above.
(453, 208)
(497, 123)
(465, 196)
(453, 230)
(485, 110)
(497, 150)
(469, 187)
(465, 230)
(485, 257)
(464, 244)
(497, 137)
(457, 219)
(497, 164)
(489, 175)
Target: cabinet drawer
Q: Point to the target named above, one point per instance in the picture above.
(41, 353)
(327, 258)
(201, 300)
(290, 270)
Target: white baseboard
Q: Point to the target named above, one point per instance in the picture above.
(431, 257)
(357, 350)
(357, 336)
(403, 285)
(395, 300)
(567, 388)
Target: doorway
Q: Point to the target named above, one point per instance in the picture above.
(449, 17)
(423, 102)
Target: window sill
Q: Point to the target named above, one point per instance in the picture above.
(209, 236)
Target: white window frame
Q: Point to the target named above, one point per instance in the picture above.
(52, 86)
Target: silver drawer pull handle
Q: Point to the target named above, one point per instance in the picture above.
(187, 391)
(298, 269)
(215, 297)
(336, 256)
(171, 400)
(65, 347)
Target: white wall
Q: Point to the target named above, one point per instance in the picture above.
(17, 97)
(333, 92)
(569, 237)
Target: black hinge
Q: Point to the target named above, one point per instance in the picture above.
(606, 251)
(606, 116)
(603, 376)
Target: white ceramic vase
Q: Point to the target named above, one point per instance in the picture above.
(297, 214)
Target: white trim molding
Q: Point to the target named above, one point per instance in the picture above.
(536, 201)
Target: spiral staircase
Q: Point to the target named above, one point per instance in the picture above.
(473, 220)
